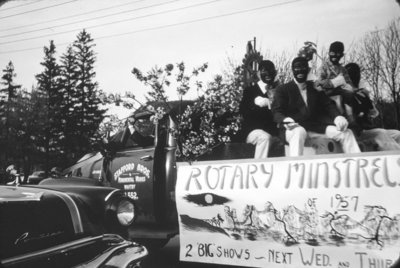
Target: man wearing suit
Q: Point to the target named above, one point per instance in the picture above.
(301, 110)
(258, 125)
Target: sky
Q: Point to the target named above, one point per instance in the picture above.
(148, 33)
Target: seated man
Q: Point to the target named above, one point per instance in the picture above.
(364, 112)
(129, 137)
(301, 110)
(255, 107)
(333, 78)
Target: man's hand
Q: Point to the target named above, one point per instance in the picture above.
(363, 92)
(319, 88)
(289, 123)
(262, 102)
(373, 113)
(347, 87)
(131, 120)
(338, 81)
(341, 123)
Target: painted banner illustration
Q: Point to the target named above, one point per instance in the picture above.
(321, 211)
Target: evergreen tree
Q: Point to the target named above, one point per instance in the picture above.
(88, 100)
(25, 134)
(69, 75)
(49, 88)
(37, 119)
(8, 112)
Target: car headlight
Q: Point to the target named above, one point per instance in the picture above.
(125, 212)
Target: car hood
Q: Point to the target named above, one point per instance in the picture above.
(34, 219)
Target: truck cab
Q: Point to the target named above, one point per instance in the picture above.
(145, 172)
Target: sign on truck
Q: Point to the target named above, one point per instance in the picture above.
(328, 211)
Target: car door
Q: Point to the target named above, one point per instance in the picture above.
(132, 169)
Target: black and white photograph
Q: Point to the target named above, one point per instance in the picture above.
(199, 133)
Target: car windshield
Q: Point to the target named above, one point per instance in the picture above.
(145, 126)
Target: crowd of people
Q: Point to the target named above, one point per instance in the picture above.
(335, 104)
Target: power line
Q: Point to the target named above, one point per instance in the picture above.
(31, 48)
(198, 20)
(72, 16)
(172, 25)
(110, 23)
(38, 9)
(27, 4)
(95, 18)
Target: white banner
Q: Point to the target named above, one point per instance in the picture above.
(322, 211)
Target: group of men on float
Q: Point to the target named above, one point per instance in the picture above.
(298, 110)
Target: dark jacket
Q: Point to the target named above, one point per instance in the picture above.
(316, 116)
(362, 106)
(255, 117)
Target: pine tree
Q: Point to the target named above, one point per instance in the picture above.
(88, 100)
(49, 88)
(37, 119)
(8, 112)
(25, 135)
(69, 75)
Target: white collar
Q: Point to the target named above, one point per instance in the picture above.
(131, 128)
(300, 85)
(262, 86)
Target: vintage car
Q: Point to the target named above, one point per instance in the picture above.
(36, 177)
(56, 224)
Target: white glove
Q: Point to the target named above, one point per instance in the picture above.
(347, 87)
(289, 123)
(262, 102)
(338, 81)
(341, 123)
